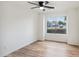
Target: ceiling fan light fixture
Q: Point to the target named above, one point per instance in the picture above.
(41, 8)
(42, 5)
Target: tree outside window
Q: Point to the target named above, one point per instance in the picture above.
(56, 25)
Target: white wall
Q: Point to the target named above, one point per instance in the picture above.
(1, 15)
(72, 27)
(40, 26)
(73, 17)
(18, 26)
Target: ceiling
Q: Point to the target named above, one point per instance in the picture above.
(59, 6)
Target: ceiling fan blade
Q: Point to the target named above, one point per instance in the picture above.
(33, 3)
(49, 7)
(46, 2)
(34, 7)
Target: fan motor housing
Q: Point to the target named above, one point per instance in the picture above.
(41, 3)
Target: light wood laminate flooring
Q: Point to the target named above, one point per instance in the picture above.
(47, 49)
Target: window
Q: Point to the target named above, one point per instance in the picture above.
(56, 25)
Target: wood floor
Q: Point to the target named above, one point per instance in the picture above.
(47, 49)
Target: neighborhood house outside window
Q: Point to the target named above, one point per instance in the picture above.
(56, 25)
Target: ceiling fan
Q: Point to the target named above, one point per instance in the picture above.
(42, 5)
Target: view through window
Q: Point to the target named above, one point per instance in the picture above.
(56, 25)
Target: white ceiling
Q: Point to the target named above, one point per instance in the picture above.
(59, 6)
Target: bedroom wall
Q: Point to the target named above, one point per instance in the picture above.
(72, 36)
(18, 26)
(41, 26)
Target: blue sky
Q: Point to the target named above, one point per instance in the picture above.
(60, 18)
